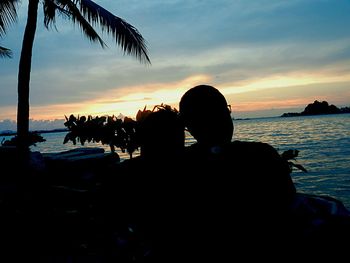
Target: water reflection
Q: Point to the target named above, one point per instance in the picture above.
(324, 145)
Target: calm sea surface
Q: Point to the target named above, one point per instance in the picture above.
(323, 143)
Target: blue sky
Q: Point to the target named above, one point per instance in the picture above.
(266, 56)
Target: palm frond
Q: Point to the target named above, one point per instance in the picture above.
(74, 14)
(5, 52)
(50, 8)
(125, 35)
(8, 14)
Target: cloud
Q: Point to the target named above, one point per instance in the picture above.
(234, 44)
(272, 99)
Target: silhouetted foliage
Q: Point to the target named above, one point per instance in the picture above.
(8, 15)
(106, 130)
(88, 16)
(110, 130)
(320, 108)
(345, 110)
(32, 139)
(289, 155)
(5, 52)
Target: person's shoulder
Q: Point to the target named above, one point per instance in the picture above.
(193, 149)
(259, 151)
(252, 146)
(250, 143)
(131, 165)
(132, 161)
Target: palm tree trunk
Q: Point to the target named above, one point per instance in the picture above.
(24, 75)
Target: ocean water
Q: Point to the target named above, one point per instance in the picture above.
(323, 143)
(324, 149)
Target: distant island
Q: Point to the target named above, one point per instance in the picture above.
(318, 108)
(12, 133)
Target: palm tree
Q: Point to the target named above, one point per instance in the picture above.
(8, 15)
(87, 14)
(5, 52)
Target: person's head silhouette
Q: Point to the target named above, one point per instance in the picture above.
(206, 115)
(161, 134)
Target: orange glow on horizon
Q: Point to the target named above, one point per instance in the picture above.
(147, 95)
(272, 104)
(128, 100)
(128, 103)
(282, 82)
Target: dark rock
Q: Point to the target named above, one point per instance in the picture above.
(318, 108)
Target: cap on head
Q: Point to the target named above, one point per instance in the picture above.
(206, 115)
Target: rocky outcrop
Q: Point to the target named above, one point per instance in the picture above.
(318, 108)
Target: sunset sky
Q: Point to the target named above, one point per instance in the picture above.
(266, 56)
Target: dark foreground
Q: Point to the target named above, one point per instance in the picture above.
(55, 209)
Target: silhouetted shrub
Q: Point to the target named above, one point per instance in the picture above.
(116, 132)
(289, 155)
(32, 139)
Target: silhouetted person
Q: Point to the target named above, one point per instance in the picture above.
(244, 188)
(246, 202)
(147, 186)
(161, 135)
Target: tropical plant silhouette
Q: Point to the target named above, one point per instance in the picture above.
(289, 155)
(33, 139)
(115, 132)
(8, 15)
(85, 13)
(110, 130)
